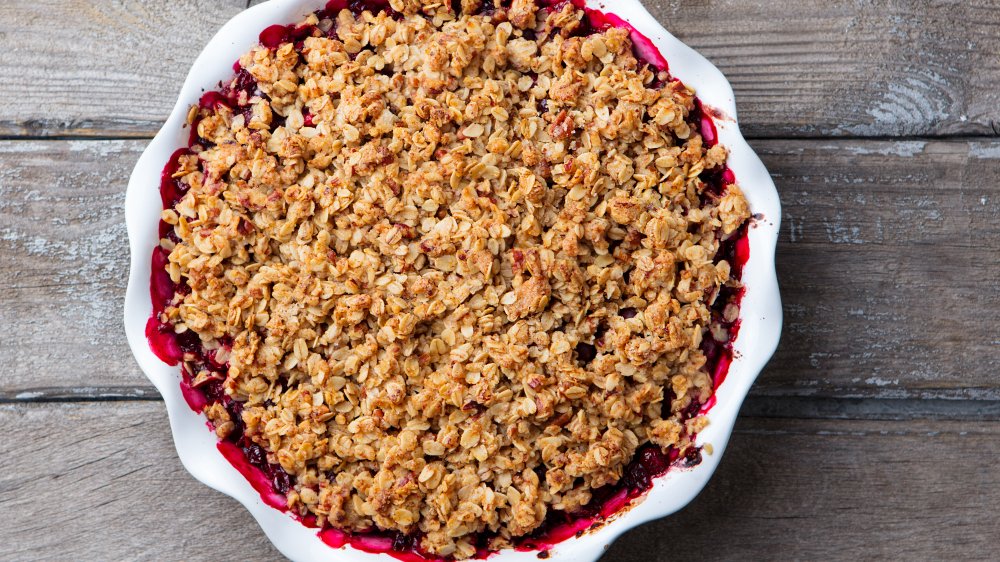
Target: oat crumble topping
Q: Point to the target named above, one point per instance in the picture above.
(460, 266)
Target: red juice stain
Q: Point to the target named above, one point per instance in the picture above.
(736, 251)
(648, 463)
(642, 46)
(596, 21)
(161, 287)
(172, 190)
(615, 503)
(334, 537)
(396, 545)
(162, 342)
(708, 403)
(720, 372)
(214, 100)
(196, 399)
(274, 36)
(161, 337)
(557, 534)
(257, 478)
(728, 177)
(709, 134)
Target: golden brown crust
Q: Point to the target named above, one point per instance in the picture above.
(406, 278)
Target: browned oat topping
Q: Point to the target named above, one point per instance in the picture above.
(414, 238)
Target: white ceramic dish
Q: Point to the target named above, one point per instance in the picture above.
(196, 445)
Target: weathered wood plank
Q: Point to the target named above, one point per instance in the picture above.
(99, 68)
(104, 483)
(885, 267)
(101, 481)
(64, 265)
(885, 262)
(809, 68)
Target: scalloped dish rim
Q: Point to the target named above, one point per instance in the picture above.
(760, 312)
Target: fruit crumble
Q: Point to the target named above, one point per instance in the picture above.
(444, 270)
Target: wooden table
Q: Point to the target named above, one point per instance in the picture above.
(874, 432)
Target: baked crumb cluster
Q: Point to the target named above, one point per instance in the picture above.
(461, 266)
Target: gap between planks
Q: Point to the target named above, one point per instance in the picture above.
(945, 137)
(786, 407)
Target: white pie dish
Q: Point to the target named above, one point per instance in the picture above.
(196, 446)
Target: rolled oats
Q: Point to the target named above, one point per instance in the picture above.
(461, 265)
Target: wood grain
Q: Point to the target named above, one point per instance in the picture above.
(64, 264)
(887, 269)
(886, 263)
(99, 68)
(105, 483)
(101, 481)
(808, 68)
